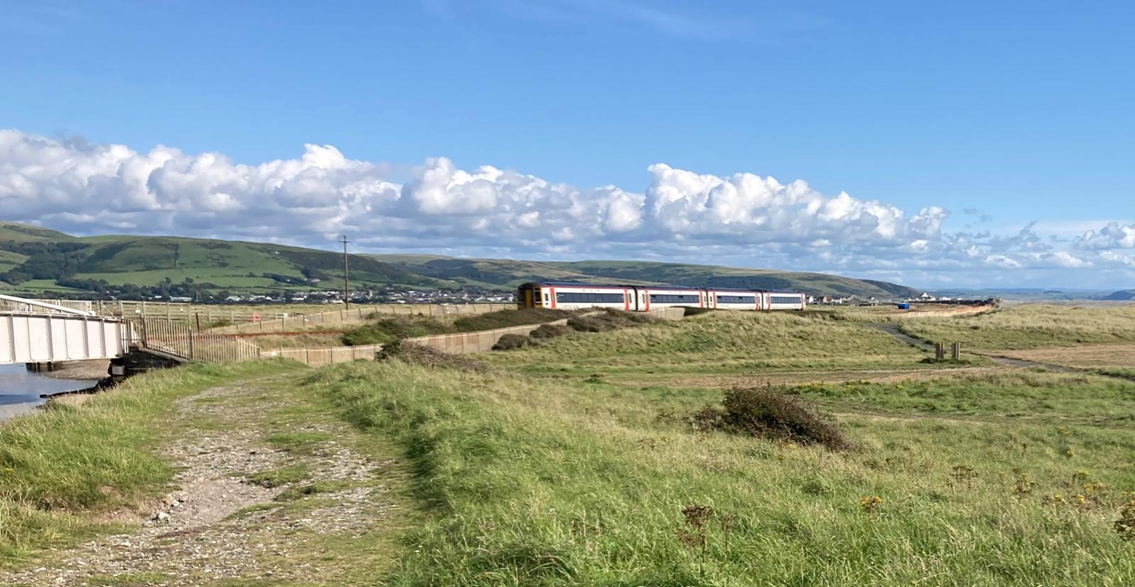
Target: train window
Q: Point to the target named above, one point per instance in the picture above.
(673, 299)
(736, 299)
(589, 298)
(546, 297)
(785, 299)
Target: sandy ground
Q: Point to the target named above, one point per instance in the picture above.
(92, 370)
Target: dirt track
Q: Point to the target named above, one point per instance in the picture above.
(221, 525)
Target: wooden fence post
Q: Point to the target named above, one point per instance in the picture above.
(939, 351)
(956, 351)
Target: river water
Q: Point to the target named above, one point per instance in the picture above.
(20, 389)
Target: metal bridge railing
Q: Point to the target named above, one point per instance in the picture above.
(181, 340)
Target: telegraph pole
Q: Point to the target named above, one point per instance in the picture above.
(346, 280)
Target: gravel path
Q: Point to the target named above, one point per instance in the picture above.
(220, 525)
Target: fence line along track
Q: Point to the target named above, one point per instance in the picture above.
(457, 343)
(359, 313)
(181, 340)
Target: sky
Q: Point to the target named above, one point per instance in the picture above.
(960, 144)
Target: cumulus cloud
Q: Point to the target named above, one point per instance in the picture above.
(742, 218)
(1112, 236)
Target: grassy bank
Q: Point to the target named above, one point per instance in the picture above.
(62, 469)
(720, 342)
(537, 482)
(382, 330)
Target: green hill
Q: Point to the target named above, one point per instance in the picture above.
(15, 232)
(34, 259)
(504, 272)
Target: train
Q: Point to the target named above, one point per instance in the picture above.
(643, 298)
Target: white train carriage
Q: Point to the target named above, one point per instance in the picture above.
(735, 299)
(649, 298)
(784, 300)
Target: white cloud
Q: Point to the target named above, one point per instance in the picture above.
(1112, 236)
(743, 219)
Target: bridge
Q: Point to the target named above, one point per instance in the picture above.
(32, 331)
(37, 332)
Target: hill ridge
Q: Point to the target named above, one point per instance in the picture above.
(35, 259)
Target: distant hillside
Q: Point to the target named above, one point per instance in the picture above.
(1024, 294)
(503, 272)
(34, 259)
(1121, 296)
(14, 232)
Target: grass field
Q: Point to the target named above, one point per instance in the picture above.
(532, 482)
(582, 461)
(1032, 326)
(1105, 356)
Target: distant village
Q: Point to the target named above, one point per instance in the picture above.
(204, 294)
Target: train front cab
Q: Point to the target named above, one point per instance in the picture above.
(529, 295)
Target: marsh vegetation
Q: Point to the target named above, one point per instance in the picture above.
(616, 458)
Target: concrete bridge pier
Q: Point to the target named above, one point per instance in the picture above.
(43, 367)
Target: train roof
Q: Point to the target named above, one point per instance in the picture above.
(654, 287)
(603, 285)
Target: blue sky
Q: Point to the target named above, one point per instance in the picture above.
(1000, 114)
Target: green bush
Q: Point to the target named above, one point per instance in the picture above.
(510, 342)
(550, 331)
(391, 329)
(506, 318)
(770, 414)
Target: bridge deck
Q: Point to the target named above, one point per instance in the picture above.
(48, 338)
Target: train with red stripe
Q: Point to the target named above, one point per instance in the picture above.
(643, 298)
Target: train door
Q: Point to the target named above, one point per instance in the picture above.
(525, 296)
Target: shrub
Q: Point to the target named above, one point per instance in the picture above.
(587, 324)
(506, 318)
(416, 354)
(510, 342)
(608, 319)
(768, 413)
(550, 331)
(389, 329)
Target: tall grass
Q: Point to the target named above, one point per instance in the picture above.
(61, 467)
(1003, 394)
(1031, 326)
(541, 483)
